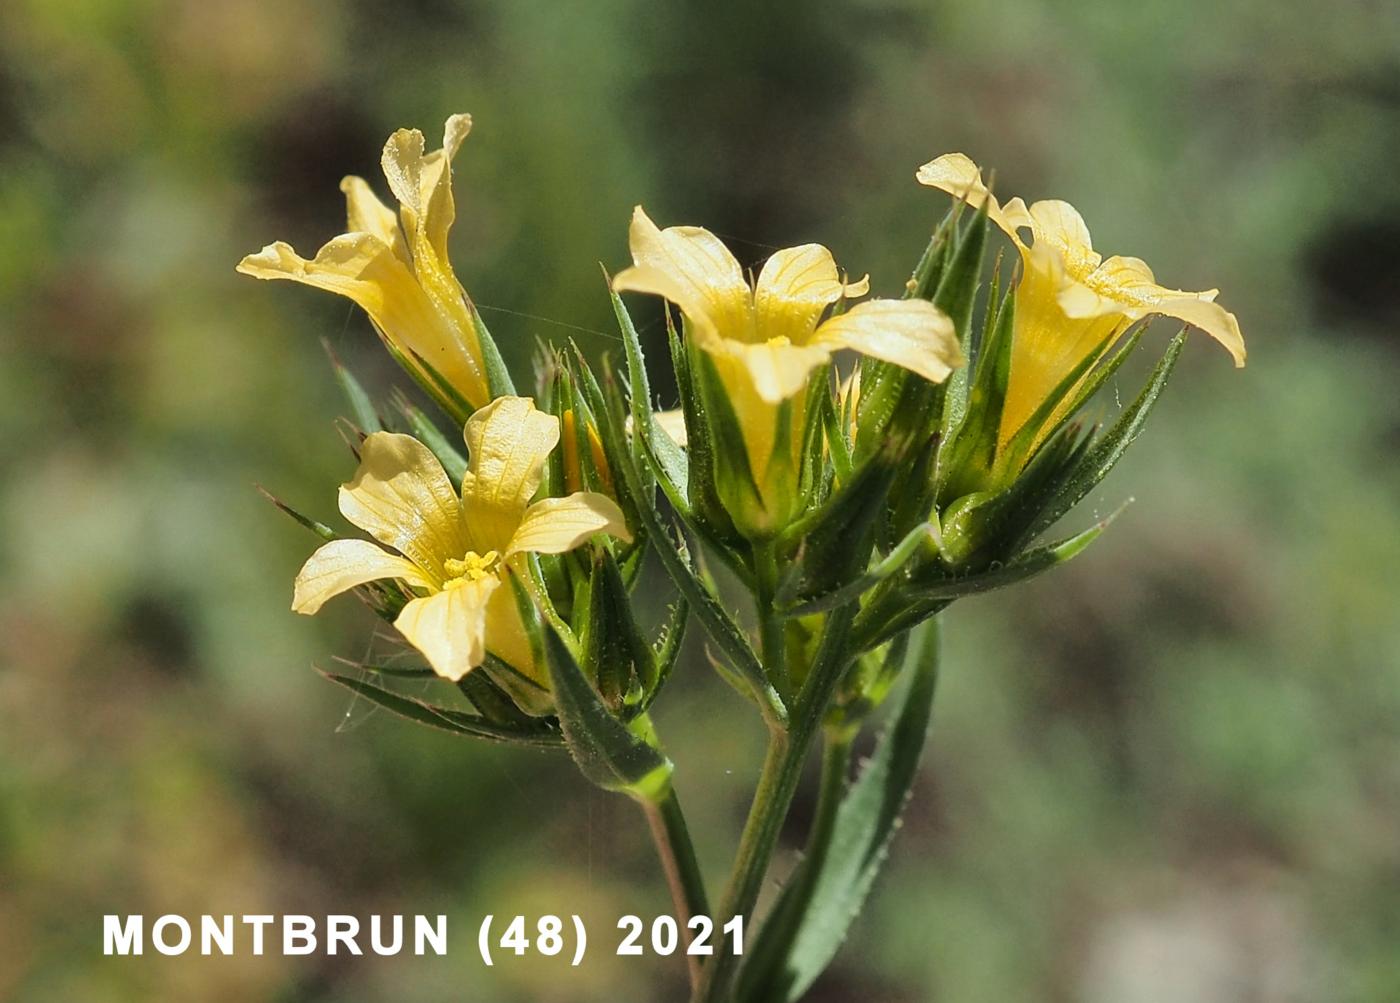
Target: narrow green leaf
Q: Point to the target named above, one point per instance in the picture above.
(319, 528)
(498, 381)
(894, 562)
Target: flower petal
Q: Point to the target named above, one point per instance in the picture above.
(423, 182)
(557, 525)
(1059, 225)
(1128, 286)
(776, 369)
(956, 174)
(341, 565)
(508, 442)
(692, 268)
(364, 269)
(912, 333)
(449, 627)
(401, 496)
(364, 213)
(795, 286)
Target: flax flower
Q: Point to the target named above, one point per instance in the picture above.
(454, 553)
(765, 339)
(1071, 303)
(396, 267)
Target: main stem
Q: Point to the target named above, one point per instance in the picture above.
(673, 845)
(777, 783)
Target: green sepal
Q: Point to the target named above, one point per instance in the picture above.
(968, 449)
(833, 541)
(361, 407)
(894, 562)
(614, 651)
(735, 485)
(955, 296)
(702, 491)
(813, 914)
(492, 701)
(498, 381)
(1106, 450)
(538, 733)
(608, 752)
(664, 656)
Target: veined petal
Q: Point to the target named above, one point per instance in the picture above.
(701, 276)
(422, 182)
(364, 269)
(1212, 318)
(1128, 285)
(793, 289)
(956, 174)
(449, 627)
(364, 213)
(912, 333)
(557, 525)
(401, 496)
(508, 442)
(341, 565)
(1059, 225)
(776, 369)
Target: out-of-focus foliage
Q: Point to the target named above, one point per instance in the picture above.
(1168, 773)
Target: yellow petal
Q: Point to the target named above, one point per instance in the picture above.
(508, 442)
(795, 286)
(364, 269)
(449, 627)
(1211, 318)
(776, 370)
(364, 213)
(1126, 285)
(1059, 225)
(401, 497)
(343, 564)
(692, 268)
(673, 424)
(557, 525)
(956, 174)
(912, 333)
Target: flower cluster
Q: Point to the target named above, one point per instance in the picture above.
(852, 497)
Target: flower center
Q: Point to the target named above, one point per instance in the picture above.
(471, 568)
(780, 341)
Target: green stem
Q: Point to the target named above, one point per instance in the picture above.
(770, 625)
(673, 845)
(777, 783)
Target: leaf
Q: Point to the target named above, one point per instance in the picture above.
(445, 718)
(319, 528)
(865, 824)
(606, 751)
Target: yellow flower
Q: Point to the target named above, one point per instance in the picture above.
(396, 267)
(1070, 303)
(766, 339)
(455, 551)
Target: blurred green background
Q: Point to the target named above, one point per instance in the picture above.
(1170, 772)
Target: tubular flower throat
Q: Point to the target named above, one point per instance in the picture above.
(1071, 303)
(455, 552)
(764, 340)
(396, 267)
